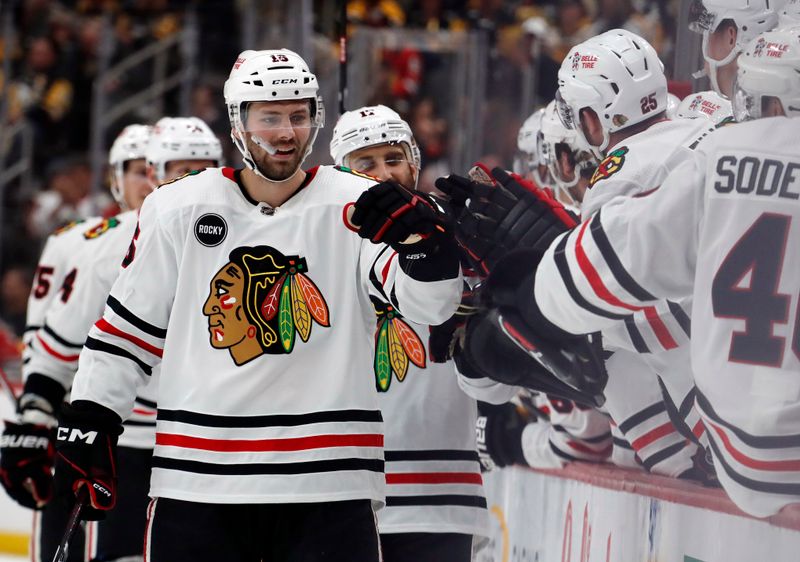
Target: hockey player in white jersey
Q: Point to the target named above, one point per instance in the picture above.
(727, 26)
(721, 228)
(250, 291)
(708, 105)
(434, 494)
(528, 161)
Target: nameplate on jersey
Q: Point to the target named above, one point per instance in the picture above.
(210, 230)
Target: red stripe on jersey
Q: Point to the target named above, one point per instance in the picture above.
(434, 478)
(385, 271)
(652, 435)
(596, 282)
(699, 429)
(269, 445)
(229, 173)
(604, 452)
(773, 466)
(55, 353)
(144, 412)
(103, 325)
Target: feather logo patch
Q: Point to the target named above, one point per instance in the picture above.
(396, 345)
(610, 166)
(261, 302)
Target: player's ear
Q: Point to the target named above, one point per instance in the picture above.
(591, 125)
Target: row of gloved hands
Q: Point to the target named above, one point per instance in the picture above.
(85, 437)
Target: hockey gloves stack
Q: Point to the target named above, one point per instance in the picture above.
(497, 218)
(87, 455)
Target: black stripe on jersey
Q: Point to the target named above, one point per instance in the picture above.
(134, 320)
(681, 316)
(558, 452)
(641, 416)
(281, 420)
(373, 277)
(787, 488)
(146, 403)
(678, 420)
(30, 328)
(636, 336)
(612, 261)
(332, 465)
(105, 347)
(662, 455)
(686, 406)
(49, 331)
(621, 443)
(599, 439)
(566, 275)
(136, 423)
(439, 500)
(755, 441)
(393, 296)
(431, 455)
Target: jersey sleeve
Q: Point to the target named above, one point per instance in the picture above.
(424, 293)
(573, 433)
(632, 253)
(127, 342)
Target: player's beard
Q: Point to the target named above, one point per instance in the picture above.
(277, 170)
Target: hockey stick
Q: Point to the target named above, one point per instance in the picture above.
(73, 523)
(342, 24)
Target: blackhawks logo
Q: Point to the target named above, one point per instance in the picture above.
(67, 227)
(610, 166)
(396, 343)
(260, 301)
(101, 228)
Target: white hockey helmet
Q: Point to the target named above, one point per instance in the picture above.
(789, 16)
(708, 104)
(371, 126)
(130, 144)
(768, 67)
(529, 150)
(750, 16)
(673, 102)
(270, 75)
(619, 76)
(554, 137)
(181, 138)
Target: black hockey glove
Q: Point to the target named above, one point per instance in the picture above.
(500, 218)
(445, 340)
(87, 455)
(498, 431)
(27, 452)
(27, 446)
(388, 213)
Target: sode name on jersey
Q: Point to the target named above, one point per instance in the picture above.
(765, 177)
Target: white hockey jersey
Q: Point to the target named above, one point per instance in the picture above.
(433, 475)
(263, 326)
(723, 229)
(51, 271)
(55, 347)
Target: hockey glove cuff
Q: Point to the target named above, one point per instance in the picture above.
(499, 435)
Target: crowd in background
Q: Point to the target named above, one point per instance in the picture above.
(53, 54)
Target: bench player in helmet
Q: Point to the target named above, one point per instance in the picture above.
(727, 26)
(716, 231)
(252, 293)
(708, 105)
(528, 160)
(434, 500)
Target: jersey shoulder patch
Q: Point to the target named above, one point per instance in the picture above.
(351, 171)
(67, 227)
(187, 174)
(101, 228)
(609, 166)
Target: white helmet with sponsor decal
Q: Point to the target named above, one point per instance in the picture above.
(751, 17)
(616, 74)
(371, 126)
(181, 138)
(130, 144)
(673, 102)
(708, 104)
(529, 150)
(769, 69)
(264, 76)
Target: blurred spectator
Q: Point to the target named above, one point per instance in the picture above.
(376, 13)
(15, 286)
(620, 14)
(430, 130)
(573, 24)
